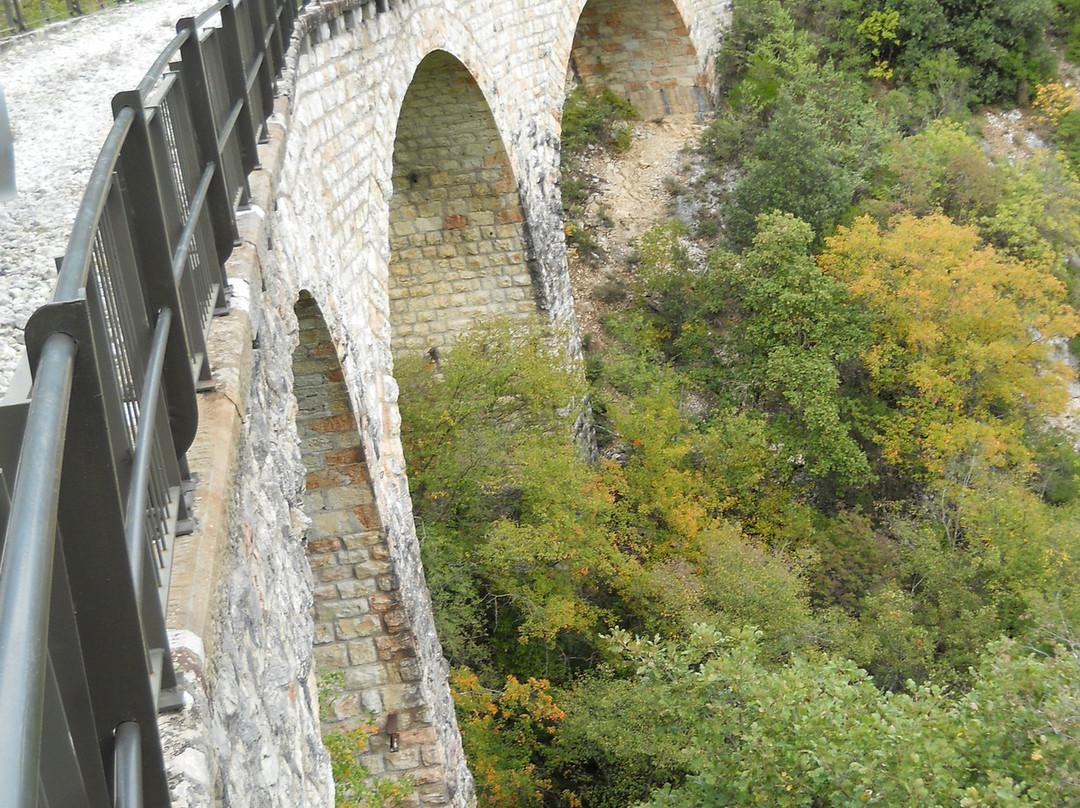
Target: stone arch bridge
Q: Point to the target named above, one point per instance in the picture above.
(408, 186)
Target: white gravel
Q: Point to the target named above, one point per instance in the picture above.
(59, 83)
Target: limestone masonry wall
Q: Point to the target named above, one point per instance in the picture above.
(457, 246)
(362, 630)
(643, 53)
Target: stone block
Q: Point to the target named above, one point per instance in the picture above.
(323, 478)
(403, 760)
(362, 651)
(331, 657)
(367, 516)
(425, 775)
(395, 620)
(334, 574)
(322, 546)
(342, 498)
(332, 523)
(395, 648)
(364, 677)
(349, 628)
(419, 737)
(433, 795)
(331, 611)
(343, 457)
(325, 591)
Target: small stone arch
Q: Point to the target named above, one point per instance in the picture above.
(458, 246)
(363, 637)
(640, 49)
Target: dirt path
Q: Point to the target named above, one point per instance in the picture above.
(630, 191)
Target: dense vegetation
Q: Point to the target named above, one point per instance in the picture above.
(828, 555)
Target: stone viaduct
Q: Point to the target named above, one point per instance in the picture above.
(408, 186)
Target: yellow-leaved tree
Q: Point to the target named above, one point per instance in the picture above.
(963, 339)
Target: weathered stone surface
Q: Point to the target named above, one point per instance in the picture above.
(240, 610)
(644, 53)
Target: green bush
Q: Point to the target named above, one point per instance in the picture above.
(589, 118)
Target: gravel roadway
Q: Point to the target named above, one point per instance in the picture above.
(59, 83)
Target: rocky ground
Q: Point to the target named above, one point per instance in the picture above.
(631, 192)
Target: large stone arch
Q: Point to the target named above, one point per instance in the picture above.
(365, 649)
(643, 51)
(458, 251)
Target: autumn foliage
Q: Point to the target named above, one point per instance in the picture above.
(804, 532)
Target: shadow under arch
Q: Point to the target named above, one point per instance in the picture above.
(642, 51)
(458, 250)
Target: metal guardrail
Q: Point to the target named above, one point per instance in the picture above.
(92, 457)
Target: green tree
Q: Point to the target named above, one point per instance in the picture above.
(501, 495)
(797, 331)
(961, 339)
(817, 732)
(796, 168)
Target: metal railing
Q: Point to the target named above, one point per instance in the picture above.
(92, 456)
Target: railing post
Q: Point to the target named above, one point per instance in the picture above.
(286, 20)
(236, 79)
(142, 174)
(197, 89)
(259, 27)
(13, 12)
(277, 42)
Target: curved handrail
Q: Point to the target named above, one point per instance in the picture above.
(117, 355)
(76, 264)
(27, 569)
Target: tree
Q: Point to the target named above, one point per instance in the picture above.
(816, 731)
(796, 168)
(510, 539)
(962, 339)
(504, 734)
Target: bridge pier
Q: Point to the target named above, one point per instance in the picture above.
(365, 648)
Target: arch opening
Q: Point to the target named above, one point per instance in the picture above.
(365, 650)
(641, 50)
(457, 235)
